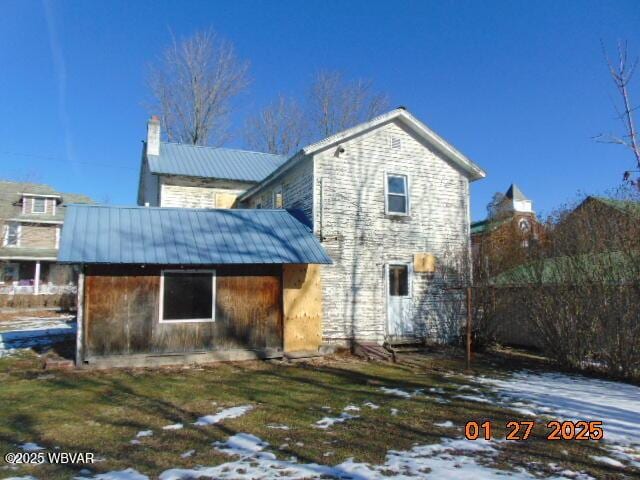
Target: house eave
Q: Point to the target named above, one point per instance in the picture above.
(281, 170)
(473, 171)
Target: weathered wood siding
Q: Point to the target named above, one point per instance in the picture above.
(302, 300)
(199, 193)
(361, 239)
(297, 190)
(121, 312)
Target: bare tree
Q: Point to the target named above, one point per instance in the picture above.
(281, 128)
(622, 73)
(193, 83)
(336, 104)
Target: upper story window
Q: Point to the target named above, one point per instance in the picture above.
(277, 198)
(397, 195)
(12, 235)
(38, 205)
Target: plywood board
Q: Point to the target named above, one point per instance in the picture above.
(225, 200)
(424, 263)
(302, 301)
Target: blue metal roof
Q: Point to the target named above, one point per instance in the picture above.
(182, 236)
(211, 162)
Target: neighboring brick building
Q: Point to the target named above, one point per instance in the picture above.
(504, 239)
(31, 218)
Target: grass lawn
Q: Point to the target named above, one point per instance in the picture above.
(102, 411)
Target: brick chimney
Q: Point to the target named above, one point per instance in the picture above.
(153, 136)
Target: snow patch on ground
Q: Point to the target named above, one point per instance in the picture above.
(233, 412)
(31, 447)
(447, 424)
(278, 427)
(187, 454)
(473, 398)
(128, 474)
(371, 405)
(450, 459)
(327, 422)
(401, 393)
(175, 426)
(608, 461)
(575, 397)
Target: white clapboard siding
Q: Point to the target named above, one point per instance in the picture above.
(361, 238)
(344, 194)
(297, 190)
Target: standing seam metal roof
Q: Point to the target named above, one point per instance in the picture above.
(212, 162)
(180, 236)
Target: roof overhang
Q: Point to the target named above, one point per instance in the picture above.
(98, 234)
(285, 167)
(18, 257)
(35, 220)
(474, 171)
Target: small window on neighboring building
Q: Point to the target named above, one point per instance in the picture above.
(9, 273)
(38, 205)
(399, 280)
(187, 296)
(277, 198)
(397, 201)
(12, 235)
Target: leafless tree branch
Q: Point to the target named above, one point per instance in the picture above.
(621, 73)
(336, 104)
(193, 84)
(280, 128)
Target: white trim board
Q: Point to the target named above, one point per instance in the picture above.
(161, 318)
(407, 194)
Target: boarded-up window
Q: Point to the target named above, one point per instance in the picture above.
(187, 296)
(398, 280)
(397, 201)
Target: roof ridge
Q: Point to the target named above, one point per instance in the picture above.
(223, 148)
(140, 207)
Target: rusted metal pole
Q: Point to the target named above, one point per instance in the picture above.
(468, 328)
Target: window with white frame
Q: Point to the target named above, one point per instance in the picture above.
(187, 296)
(38, 205)
(12, 235)
(277, 198)
(397, 195)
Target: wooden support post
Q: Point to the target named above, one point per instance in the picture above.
(36, 279)
(80, 320)
(469, 315)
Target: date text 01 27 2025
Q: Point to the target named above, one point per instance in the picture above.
(522, 429)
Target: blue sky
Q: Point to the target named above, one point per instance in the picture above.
(519, 87)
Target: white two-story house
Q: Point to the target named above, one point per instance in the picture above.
(388, 199)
